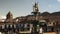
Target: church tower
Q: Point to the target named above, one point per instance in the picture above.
(9, 17)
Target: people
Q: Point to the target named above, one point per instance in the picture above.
(41, 30)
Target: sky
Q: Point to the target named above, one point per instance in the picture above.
(25, 7)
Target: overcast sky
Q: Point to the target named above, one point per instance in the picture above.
(25, 7)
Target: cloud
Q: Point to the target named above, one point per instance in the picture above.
(58, 0)
(2, 17)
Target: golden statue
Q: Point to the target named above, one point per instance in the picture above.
(35, 7)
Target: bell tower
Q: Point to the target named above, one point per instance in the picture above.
(9, 17)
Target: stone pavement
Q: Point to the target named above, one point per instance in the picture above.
(50, 33)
